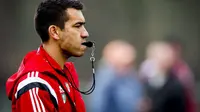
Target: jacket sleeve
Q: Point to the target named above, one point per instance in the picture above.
(34, 94)
(33, 101)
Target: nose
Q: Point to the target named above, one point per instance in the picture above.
(84, 34)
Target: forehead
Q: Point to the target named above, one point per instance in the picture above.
(75, 15)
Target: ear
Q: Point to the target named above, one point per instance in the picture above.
(54, 32)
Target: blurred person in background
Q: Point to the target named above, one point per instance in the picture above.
(184, 74)
(45, 82)
(164, 90)
(117, 86)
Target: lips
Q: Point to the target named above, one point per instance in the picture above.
(83, 42)
(83, 47)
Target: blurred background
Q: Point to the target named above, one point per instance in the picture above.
(137, 21)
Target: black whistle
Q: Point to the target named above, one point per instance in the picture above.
(88, 44)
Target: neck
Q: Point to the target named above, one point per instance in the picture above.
(56, 53)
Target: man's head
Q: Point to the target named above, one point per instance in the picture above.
(177, 45)
(120, 54)
(61, 22)
(162, 53)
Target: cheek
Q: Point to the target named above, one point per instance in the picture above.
(65, 41)
(73, 35)
(69, 42)
(71, 39)
(74, 32)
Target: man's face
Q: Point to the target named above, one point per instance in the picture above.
(73, 34)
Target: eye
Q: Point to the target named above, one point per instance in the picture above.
(77, 25)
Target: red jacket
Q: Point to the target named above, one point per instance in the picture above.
(184, 74)
(40, 85)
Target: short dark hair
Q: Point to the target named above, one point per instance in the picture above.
(52, 12)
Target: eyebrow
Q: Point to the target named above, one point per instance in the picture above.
(81, 23)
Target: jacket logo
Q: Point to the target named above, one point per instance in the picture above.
(67, 86)
(62, 92)
(64, 98)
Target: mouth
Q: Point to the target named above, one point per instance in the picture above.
(83, 47)
(83, 42)
(88, 44)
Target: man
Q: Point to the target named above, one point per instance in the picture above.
(184, 74)
(44, 82)
(164, 91)
(117, 85)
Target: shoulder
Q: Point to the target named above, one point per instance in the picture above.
(35, 79)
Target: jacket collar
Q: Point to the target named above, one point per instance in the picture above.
(41, 51)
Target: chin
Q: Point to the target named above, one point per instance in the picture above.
(79, 54)
(74, 53)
